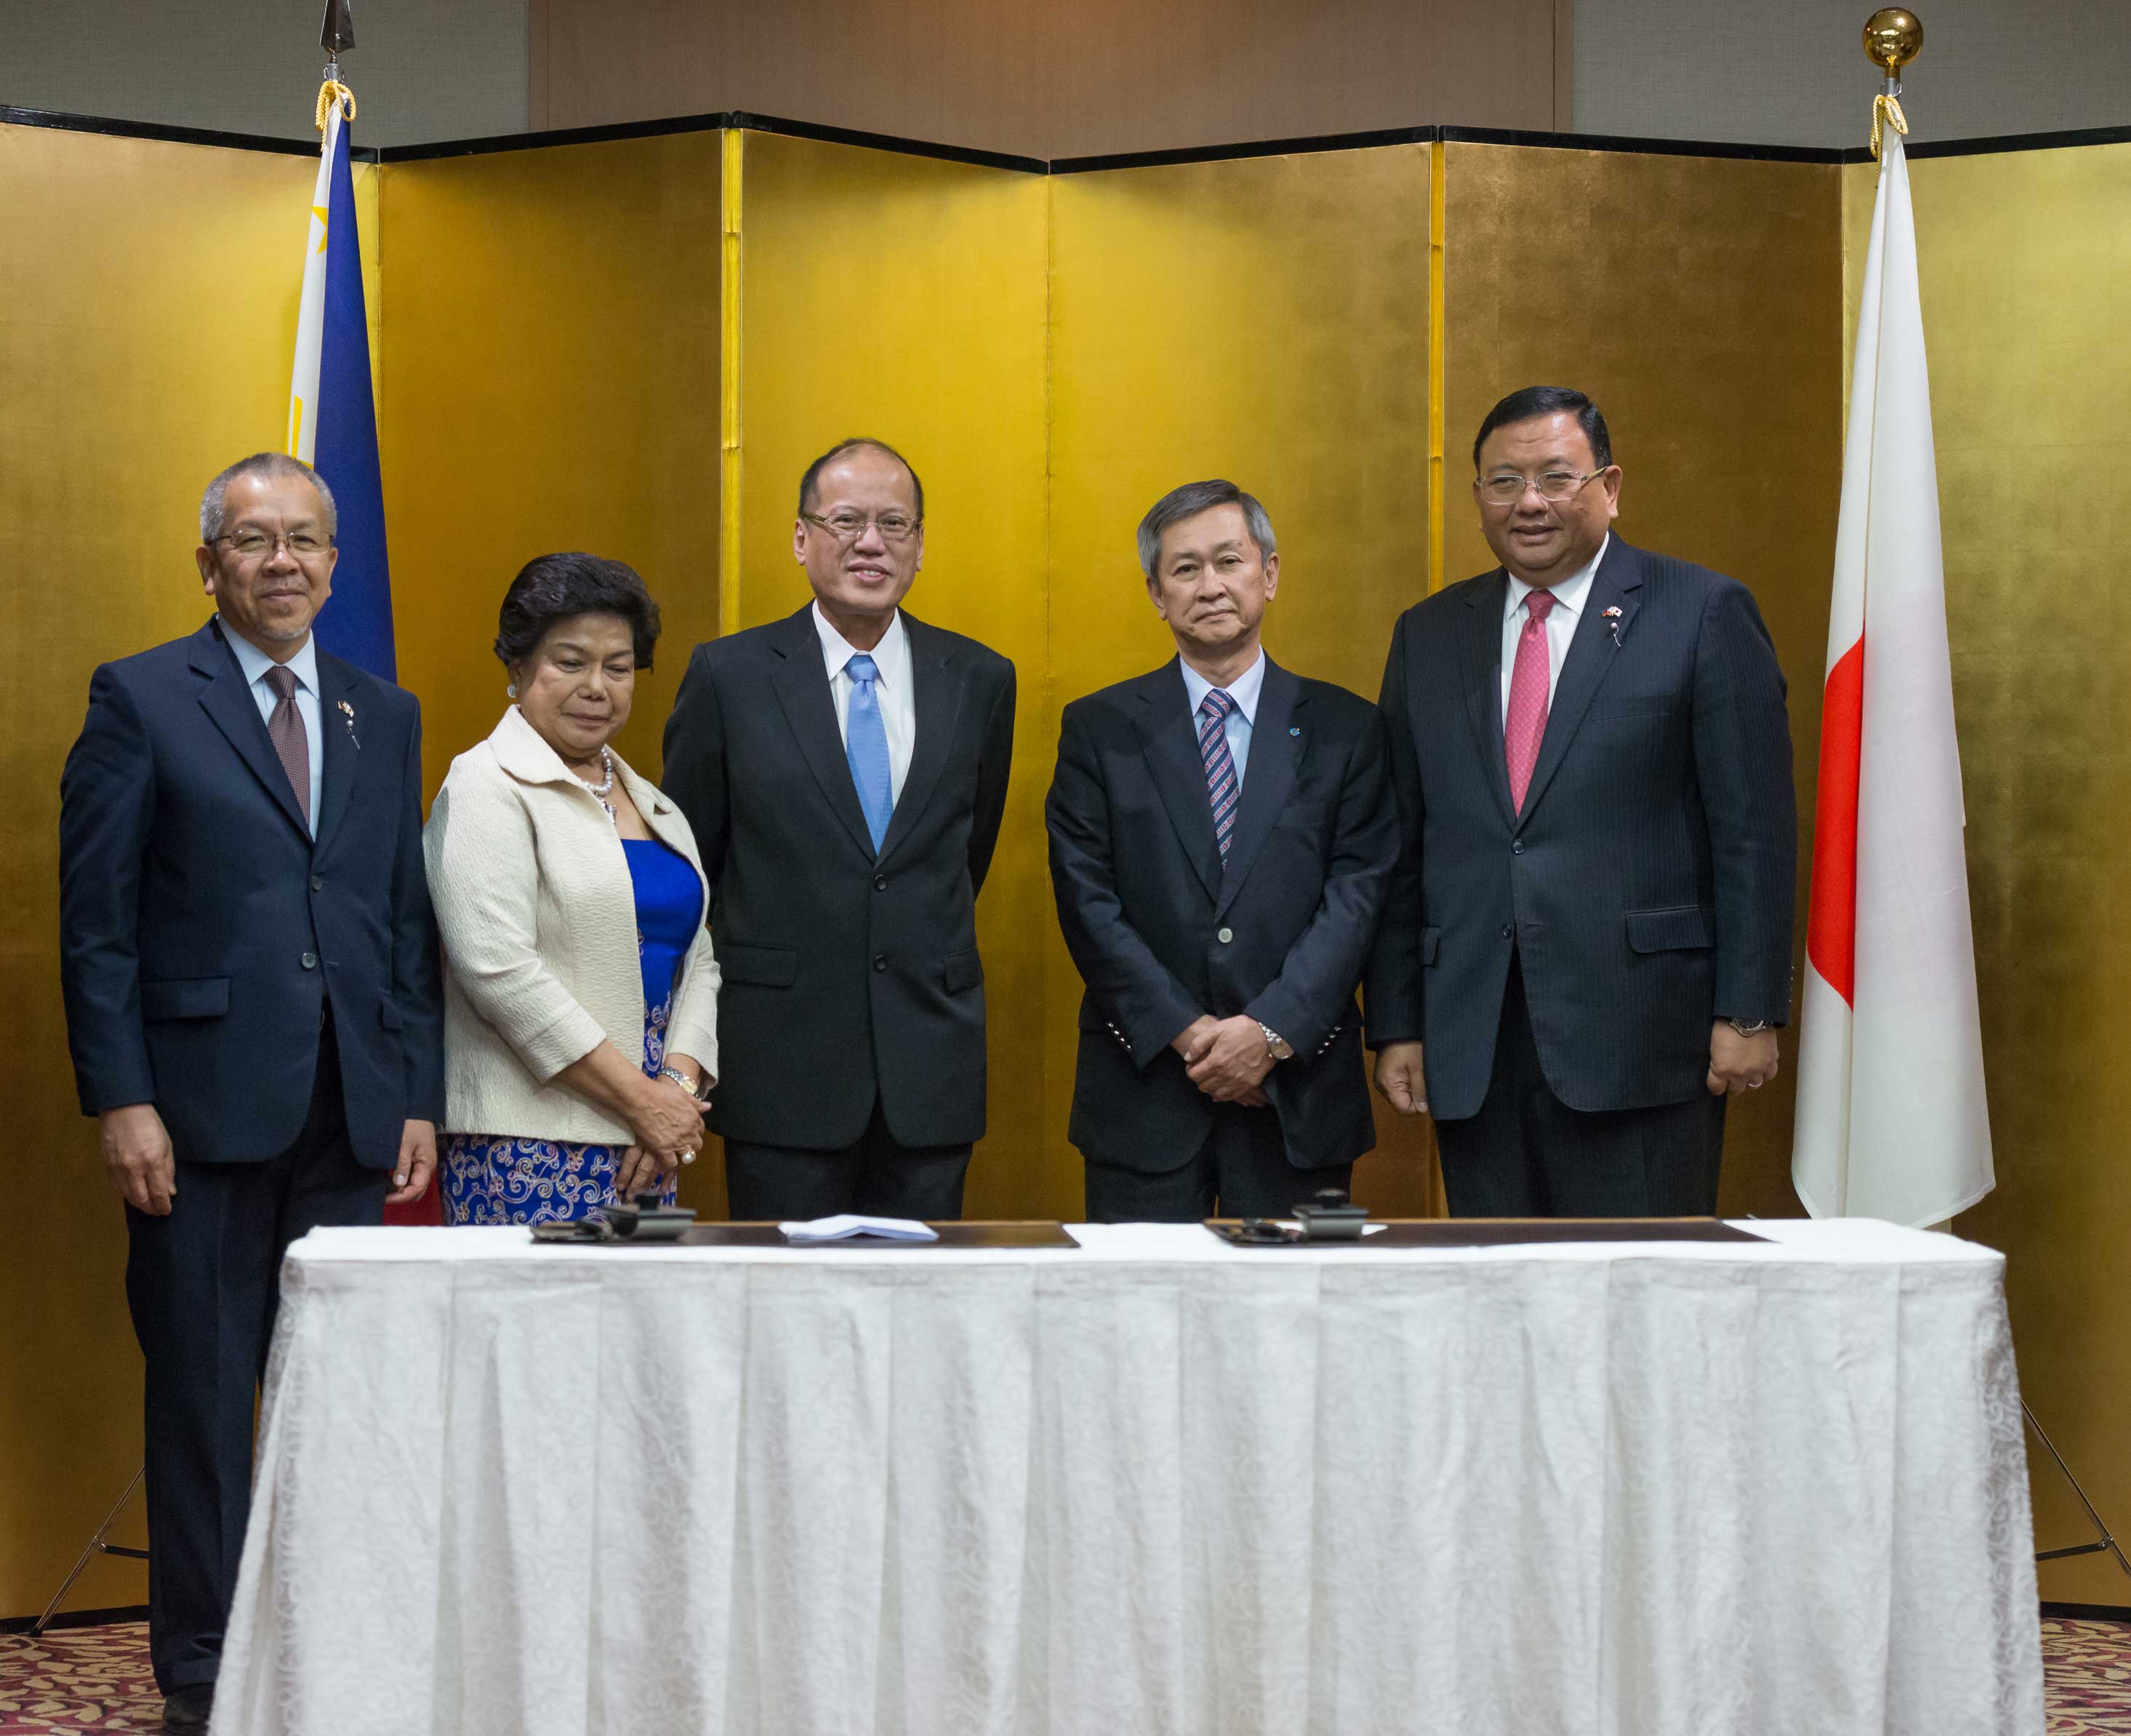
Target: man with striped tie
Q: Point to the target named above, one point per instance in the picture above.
(1221, 834)
(844, 772)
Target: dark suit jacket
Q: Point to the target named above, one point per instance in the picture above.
(1163, 931)
(202, 931)
(1646, 887)
(846, 979)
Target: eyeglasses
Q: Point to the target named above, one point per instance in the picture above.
(254, 545)
(1553, 484)
(848, 526)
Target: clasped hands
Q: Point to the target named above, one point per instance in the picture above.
(1227, 1059)
(667, 1122)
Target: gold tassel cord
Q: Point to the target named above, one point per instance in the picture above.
(333, 91)
(1886, 110)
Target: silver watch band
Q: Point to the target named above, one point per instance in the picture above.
(1277, 1045)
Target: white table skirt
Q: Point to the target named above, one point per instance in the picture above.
(1158, 1485)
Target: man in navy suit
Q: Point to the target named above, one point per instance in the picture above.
(1587, 948)
(253, 998)
(1221, 831)
(845, 772)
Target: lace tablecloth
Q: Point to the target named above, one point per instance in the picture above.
(1158, 1485)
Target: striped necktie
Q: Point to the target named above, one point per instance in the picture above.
(1214, 712)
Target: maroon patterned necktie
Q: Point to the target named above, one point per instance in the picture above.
(291, 741)
(1526, 726)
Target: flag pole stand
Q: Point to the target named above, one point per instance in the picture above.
(2102, 1541)
(98, 1546)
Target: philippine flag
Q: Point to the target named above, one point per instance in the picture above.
(333, 420)
(333, 428)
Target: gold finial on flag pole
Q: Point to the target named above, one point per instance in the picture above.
(335, 35)
(1893, 36)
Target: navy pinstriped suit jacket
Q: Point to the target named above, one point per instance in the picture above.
(1646, 887)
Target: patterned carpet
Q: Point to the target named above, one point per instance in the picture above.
(97, 1679)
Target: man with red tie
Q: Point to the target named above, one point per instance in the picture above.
(1586, 949)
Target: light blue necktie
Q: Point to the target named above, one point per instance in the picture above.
(866, 746)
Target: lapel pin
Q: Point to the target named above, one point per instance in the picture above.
(348, 716)
(1612, 616)
(1295, 729)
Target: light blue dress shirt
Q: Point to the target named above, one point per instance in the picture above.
(304, 665)
(1244, 690)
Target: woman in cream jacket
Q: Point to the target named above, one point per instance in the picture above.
(580, 988)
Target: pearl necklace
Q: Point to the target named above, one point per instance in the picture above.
(602, 791)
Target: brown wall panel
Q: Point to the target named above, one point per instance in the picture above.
(1060, 78)
(2025, 268)
(1699, 302)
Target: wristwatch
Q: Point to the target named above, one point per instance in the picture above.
(1277, 1045)
(1748, 1027)
(691, 1086)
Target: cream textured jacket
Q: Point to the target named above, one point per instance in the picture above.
(537, 915)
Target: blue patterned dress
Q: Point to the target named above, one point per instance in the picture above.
(493, 1178)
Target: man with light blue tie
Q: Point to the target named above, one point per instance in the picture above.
(845, 770)
(1221, 834)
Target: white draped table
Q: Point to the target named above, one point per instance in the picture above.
(1155, 1484)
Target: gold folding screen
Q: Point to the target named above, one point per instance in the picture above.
(2024, 262)
(1264, 320)
(550, 382)
(147, 298)
(1699, 302)
(564, 334)
(902, 298)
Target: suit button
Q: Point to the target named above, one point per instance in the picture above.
(1509, 932)
(1225, 935)
(318, 883)
(880, 961)
(880, 883)
(1517, 847)
(310, 961)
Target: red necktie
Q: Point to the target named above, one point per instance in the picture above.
(292, 742)
(1526, 726)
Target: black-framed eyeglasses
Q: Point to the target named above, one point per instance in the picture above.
(254, 545)
(848, 526)
(1508, 488)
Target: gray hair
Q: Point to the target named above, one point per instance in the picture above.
(262, 464)
(1191, 500)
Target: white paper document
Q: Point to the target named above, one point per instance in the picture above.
(847, 1224)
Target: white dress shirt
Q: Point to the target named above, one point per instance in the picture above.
(891, 688)
(1568, 597)
(1244, 690)
(305, 666)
